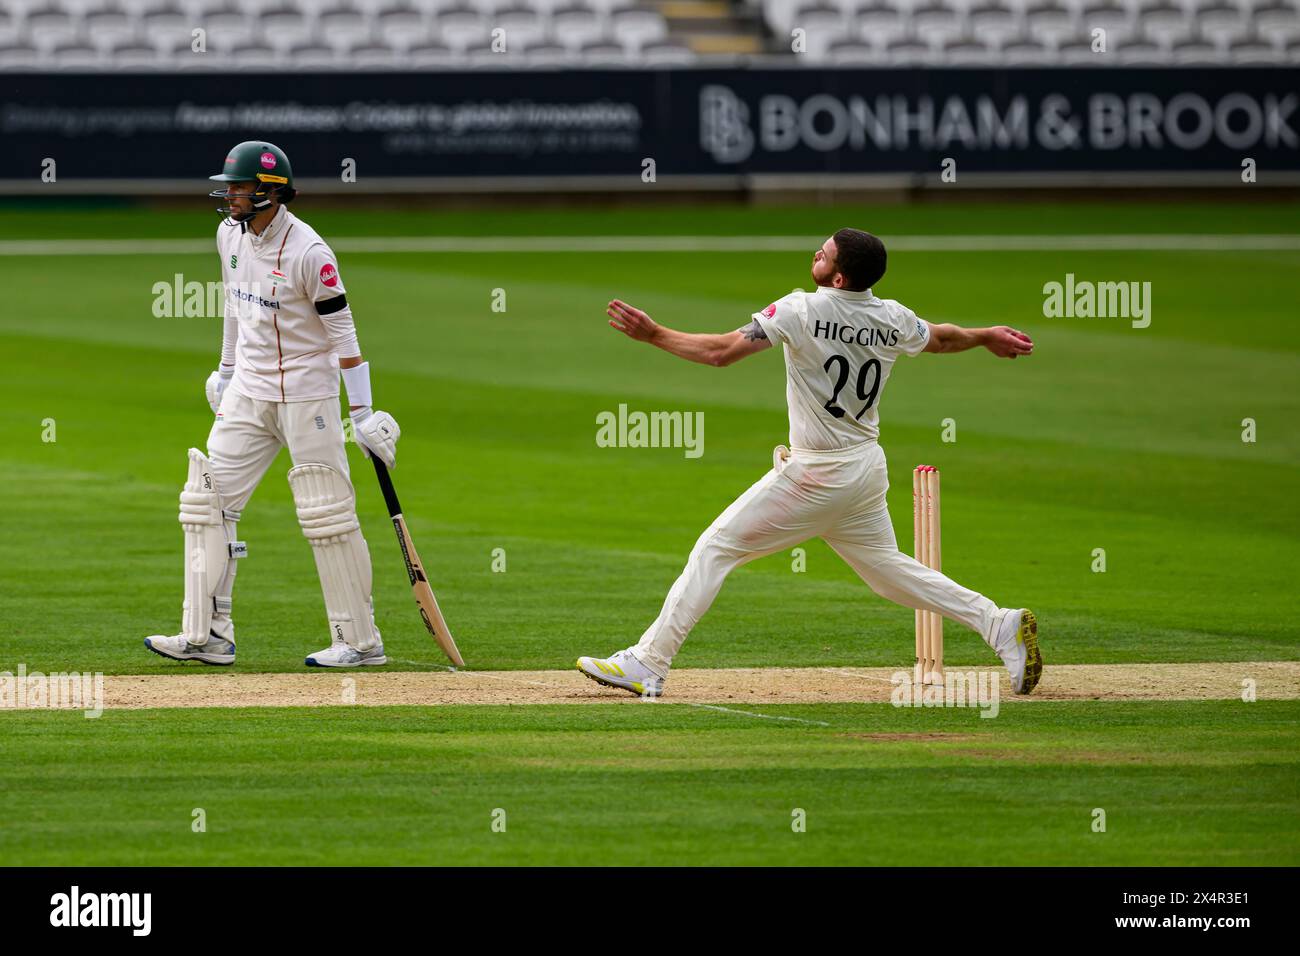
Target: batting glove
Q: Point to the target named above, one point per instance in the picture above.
(216, 386)
(376, 433)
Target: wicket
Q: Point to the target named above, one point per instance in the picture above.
(925, 538)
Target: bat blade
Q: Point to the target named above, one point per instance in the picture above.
(423, 593)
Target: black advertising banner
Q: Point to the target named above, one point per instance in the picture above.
(697, 122)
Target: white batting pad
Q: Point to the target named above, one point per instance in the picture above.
(210, 550)
(328, 515)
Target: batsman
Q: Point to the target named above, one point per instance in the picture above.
(288, 334)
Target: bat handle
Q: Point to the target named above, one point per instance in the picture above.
(386, 486)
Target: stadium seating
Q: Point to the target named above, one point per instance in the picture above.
(435, 34)
(1038, 32)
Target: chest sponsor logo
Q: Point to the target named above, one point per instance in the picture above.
(329, 275)
(253, 298)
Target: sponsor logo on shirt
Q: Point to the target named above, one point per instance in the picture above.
(250, 297)
(329, 275)
(770, 310)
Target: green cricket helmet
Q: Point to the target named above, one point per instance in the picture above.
(258, 162)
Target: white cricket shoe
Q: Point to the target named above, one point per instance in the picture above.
(218, 650)
(624, 671)
(1016, 641)
(340, 654)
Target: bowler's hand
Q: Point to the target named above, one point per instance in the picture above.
(1006, 342)
(632, 322)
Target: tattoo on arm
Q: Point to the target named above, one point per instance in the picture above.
(753, 331)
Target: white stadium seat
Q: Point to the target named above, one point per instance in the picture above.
(460, 27)
(854, 53)
(1050, 21)
(574, 25)
(1026, 51)
(1196, 53)
(1163, 21)
(429, 55)
(313, 56)
(633, 27)
(908, 51)
(877, 22)
(993, 21)
(523, 24)
(667, 53)
(1271, 16)
(937, 22)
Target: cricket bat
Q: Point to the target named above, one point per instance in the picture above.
(424, 599)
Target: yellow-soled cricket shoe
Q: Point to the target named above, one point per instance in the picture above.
(624, 671)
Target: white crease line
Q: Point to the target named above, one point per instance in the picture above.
(643, 244)
(846, 672)
(1009, 696)
(455, 670)
(747, 713)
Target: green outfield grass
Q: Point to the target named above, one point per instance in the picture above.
(642, 783)
(1109, 437)
(1127, 440)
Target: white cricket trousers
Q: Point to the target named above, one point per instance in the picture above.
(245, 439)
(838, 496)
(249, 433)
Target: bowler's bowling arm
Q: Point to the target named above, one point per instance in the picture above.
(1003, 341)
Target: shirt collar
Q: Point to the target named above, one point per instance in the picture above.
(274, 227)
(846, 293)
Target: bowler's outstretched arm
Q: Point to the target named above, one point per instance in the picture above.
(706, 349)
(1003, 341)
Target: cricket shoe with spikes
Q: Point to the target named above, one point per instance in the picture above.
(218, 650)
(624, 671)
(1017, 644)
(340, 654)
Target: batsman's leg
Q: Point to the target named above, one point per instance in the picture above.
(327, 512)
(241, 448)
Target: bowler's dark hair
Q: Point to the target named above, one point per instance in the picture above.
(860, 257)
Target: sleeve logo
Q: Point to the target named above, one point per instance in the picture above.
(770, 310)
(329, 275)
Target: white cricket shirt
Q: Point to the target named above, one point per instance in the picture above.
(277, 284)
(839, 349)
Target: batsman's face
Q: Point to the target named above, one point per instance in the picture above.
(237, 195)
(823, 264)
